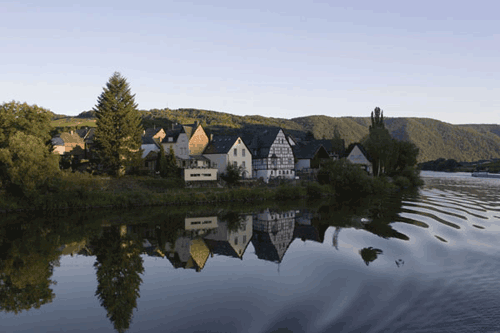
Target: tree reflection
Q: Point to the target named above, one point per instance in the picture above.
(118, 268)
(27, 260)
(369, 254)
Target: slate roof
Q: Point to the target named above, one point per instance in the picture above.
(308, 150)
(220, 144)
(328, 146)
(173, 133)
(150, 132)
(148, 140)
(57, 141)
(260, 144)
(221, 247)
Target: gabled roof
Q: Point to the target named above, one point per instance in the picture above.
(221, 144)
(148, 140)
(221, 247)
(173, 133)
(67, 137)
(57, 141)
(150, 132)
(360, 146)
(308, 150)
(261, 143)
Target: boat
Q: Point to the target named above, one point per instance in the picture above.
(485, 174)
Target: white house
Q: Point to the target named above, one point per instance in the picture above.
(272, 155)
(356, 154)
(228, 149)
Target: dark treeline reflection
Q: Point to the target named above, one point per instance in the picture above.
(30, 247)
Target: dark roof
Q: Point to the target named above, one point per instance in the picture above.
(221, 247)
(173, 133)
(308, 150)
(148, 140)
(57, 141)
(307, 232)
(328, 146)
(221, 144)
(259, 144)
(363, 150)
(151, 131)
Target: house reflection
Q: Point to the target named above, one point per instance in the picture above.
(273, 234)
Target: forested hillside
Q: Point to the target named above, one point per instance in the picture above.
(435, 139)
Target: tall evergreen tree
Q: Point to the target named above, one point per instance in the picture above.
(118, 133)
(377, 119)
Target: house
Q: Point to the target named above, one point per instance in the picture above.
(198, 139)
(356, 154)
(185, 141)
(309, 155)
(69, 143)
(177, 140)
(230, 243)
(272, 155)
(229, 149)
(87, 134)
(273, 234)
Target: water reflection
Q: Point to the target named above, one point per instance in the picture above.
(192, 241)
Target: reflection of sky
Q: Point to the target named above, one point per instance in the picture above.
(315, 287)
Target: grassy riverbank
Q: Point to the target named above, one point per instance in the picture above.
(83, 191)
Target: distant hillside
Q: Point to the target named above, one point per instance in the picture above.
(435, 139)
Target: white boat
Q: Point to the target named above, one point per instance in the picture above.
(485, 174)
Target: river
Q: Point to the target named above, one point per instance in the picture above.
(427, 261)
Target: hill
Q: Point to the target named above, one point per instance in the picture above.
(436, 139)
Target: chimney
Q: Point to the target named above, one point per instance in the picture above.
(71, 132)
(195, 124)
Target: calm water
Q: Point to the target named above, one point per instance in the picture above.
(421, 262)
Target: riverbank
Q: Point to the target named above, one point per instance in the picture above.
(84, 192)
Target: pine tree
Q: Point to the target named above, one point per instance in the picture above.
(118, 133)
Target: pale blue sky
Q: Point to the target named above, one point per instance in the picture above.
(435, 59)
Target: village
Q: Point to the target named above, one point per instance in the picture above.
(203, 157)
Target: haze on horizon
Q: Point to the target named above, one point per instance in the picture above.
(275, 58)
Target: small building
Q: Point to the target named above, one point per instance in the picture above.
(69, 143)
(309, 155)
(229, 149)
(356, 154)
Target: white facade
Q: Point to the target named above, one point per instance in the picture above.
(181, 147)
(278, 163)
(238, 153)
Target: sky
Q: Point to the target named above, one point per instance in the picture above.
(283, 59)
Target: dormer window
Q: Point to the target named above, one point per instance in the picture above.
(170, 139)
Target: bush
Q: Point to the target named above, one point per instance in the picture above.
(345, 178)
(315, 190)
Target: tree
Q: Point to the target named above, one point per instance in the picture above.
(232, 174)
(26, 159)
(377, 119)
(118, 267)
(379, 143)
(118, 132)
(161, 163)
(338, 144)
(29, 164)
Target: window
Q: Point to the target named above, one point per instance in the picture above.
(235, 152)
(243, 165)
(235, 240)
(243, 152)
(244, 239)
(235, 164)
